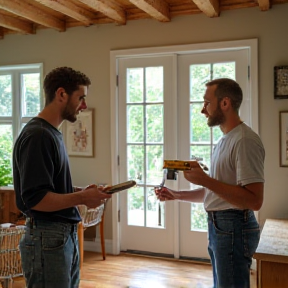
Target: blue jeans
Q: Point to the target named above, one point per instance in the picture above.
(50, 255)
(233, 238)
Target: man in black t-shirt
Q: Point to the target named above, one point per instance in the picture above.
(43, 186)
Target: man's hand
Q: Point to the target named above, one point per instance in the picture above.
(165, 194)
(196, 175)
(94, 196)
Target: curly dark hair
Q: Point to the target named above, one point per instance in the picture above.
(227, 87)
(64, 77)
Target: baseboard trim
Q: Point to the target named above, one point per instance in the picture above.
(166, 257)
(95, 246)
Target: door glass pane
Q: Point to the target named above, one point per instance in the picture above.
(134, 85)
(154, 84)
(30, 94)
(135, 205)
(135, 124)
(6, 144)
(154, 164)
(199, 75)
(154, 127)
(198, 217)
(224, 70)
(5, 95)
(155, 211)
(199, 131)
(135, 165)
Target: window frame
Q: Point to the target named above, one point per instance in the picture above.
(16, 119)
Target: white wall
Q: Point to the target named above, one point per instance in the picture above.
(87, 49)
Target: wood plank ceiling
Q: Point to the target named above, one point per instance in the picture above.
(27, 16)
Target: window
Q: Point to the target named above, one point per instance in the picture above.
(20, 100)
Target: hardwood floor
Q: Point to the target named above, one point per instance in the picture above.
(139, 271)
(133, 271)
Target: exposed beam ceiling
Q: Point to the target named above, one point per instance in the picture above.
(25, 10)
(16, 24)
(157, 9)
(108, 8)
(70, 9)
(28, 16)
(209, 7)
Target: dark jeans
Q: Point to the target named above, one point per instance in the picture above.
(50, 255)
(233, 238)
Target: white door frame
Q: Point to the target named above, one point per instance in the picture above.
(250, 44)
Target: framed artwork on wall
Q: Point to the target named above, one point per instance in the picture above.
(281, 82)
(80, 136)
(283, 138)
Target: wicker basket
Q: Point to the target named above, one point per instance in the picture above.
(10, 260)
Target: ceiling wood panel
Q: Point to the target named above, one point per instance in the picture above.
(28, 16)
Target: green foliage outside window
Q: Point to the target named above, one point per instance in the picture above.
(5, 95)
(29, 105)
(198, 217)
(5, 131)
(5, 158)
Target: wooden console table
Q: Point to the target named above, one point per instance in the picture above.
(272, 255)
(9, 212)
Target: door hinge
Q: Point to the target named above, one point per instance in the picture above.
(248, 72)
(118, 215)
(117, 80)
(118, 160)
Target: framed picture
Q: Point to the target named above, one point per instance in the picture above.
(281, 82)
(284, 138)
(80, 136)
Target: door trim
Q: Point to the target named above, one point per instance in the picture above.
(250, 44)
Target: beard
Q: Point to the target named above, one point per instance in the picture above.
(69, 114)
(217, 118)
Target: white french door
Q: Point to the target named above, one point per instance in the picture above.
(159, 99)
(146, 104)
(193, 71)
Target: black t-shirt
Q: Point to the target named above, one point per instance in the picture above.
(40, 164)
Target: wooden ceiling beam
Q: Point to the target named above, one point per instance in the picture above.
(157, 9)
(108, 8)
(70, 9)
(25, 10)
(264, 5)
(209, 7)
(16, 24)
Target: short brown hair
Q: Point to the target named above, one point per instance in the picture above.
(227, 87)
(64, 77)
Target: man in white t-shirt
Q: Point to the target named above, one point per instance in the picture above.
(232, 191)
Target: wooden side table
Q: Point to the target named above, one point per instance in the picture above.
(9, 212)
(272, 255)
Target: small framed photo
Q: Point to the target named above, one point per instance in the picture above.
(281, 82)
(80, 136)
(283, 138)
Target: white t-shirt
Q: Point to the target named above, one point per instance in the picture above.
(238, 159)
